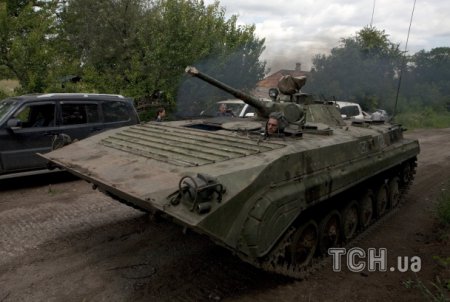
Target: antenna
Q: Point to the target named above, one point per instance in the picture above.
(403, 61)
(373, 12)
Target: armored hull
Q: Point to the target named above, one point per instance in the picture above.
(276, 202)
(276, 199)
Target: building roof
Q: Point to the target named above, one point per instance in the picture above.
(271, 81)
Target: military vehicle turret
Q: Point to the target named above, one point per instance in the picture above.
(293, 112)
(275, 201)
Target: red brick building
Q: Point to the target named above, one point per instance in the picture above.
(263, 86)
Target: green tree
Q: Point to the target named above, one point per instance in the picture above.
(427, 79)
(363, 68)
(26, 34)
(14, 7)
(98, 40)
(132, 47)
(190, 33)
(136, 47)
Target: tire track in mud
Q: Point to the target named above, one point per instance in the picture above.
(25, 228)
(65, 237)
(211, 273)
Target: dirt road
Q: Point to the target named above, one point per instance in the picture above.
(67, 242)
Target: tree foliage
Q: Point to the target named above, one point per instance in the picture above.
(215, 45)
(135, 47)
(132, 47)
(367, 69)
(26, 49)
(362, 68)
(99, 40)
(427, 81)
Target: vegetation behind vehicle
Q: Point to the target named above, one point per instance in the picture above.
(156, 41)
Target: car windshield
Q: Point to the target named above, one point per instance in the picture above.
(233, 108)
(5, 107)
(350, 111)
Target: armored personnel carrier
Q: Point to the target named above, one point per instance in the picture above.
(277, 201)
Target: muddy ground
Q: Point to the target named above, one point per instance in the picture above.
(62, 241)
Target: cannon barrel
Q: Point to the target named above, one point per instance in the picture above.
(264, 108)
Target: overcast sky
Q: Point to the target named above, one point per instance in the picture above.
(295, 30)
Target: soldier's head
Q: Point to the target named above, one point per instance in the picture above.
(161, 112)
(272, 125)
(276, 123)
(223, 108)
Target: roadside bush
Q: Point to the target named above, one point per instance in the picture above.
(443, 206)
(438, 289)
(3, 95)
(425, 118)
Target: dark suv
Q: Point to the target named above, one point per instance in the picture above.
(31, 124)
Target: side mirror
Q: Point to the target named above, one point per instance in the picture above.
(249, 114)
(344, 116)
(13, 123)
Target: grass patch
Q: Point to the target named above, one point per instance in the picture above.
(8, 86)
(438, 290)
(443, 206)
(435, 291)
(51, 191)
(427, 118)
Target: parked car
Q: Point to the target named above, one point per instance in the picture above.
(31, 124)
(351, 110)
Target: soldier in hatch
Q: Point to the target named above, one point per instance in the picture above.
(276, 124)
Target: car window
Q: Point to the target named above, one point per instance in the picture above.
(79, 113)
(115, 111)
(37, 115)
(350, 111)
(250, 109)
(5, 108)
(234, 108)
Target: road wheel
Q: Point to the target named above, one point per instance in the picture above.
(330, 231)
(303, 244)
(350, 220)
(406, 173)
(60, 140)
(381, 200)
(394, 192)
(366, 209)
